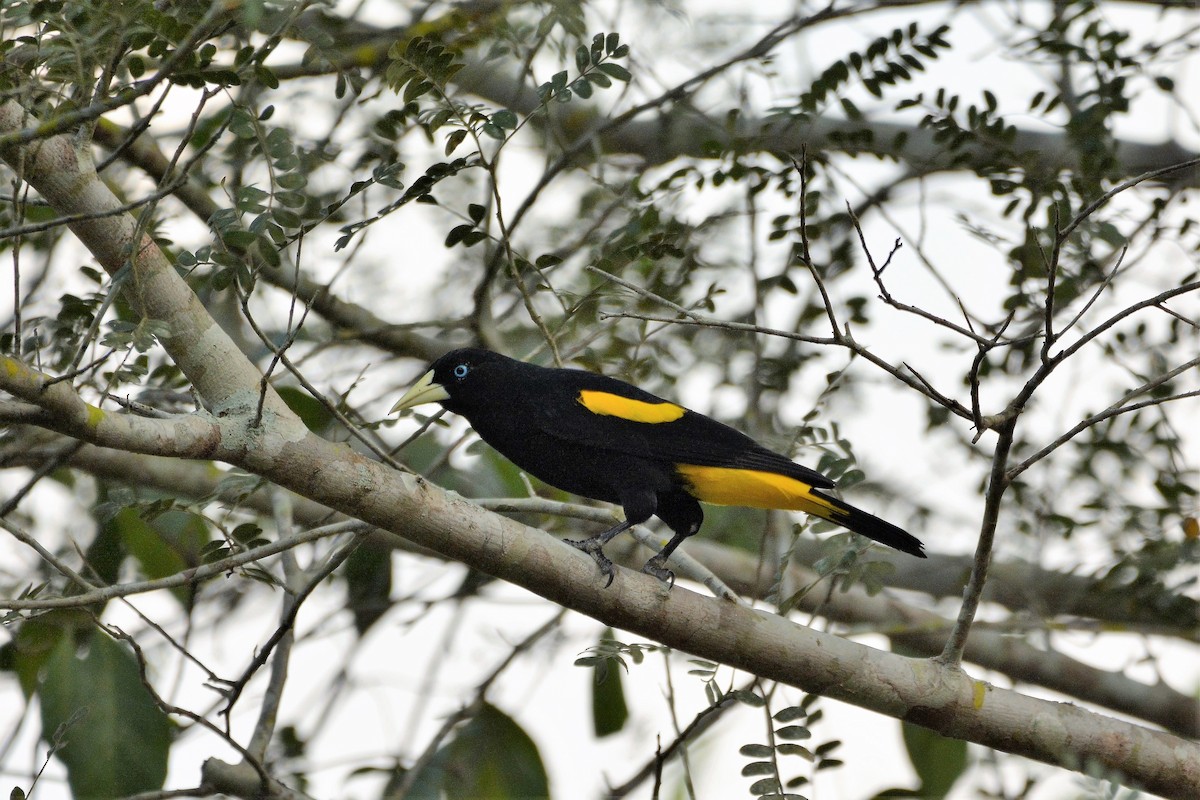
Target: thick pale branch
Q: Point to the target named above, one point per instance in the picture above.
(64, 411)
(938, 696)
(921, 631)
(934, 695)
(63, 173)
(925, 633)
(1013, 584)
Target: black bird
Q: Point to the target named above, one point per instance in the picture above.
(602, 438)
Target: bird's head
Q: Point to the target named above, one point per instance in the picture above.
(452, 380)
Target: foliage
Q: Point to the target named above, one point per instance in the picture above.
(820, 251)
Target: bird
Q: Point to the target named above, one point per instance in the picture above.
(598, 437)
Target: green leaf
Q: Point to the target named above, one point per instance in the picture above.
(368, 573)
(35, 641)
(114, 739)
(755, 751)
(609, 710)
(292, 180)
(505, 119)
(291, 199)
(938, 760)
(457, 234)
(238, 240)
(490, 756)
(794, 732)
(765, 786)
(615, 71)
(789, 714)
(758, 768)
(312, 412)
(241, 124)
(454, 140)
(104, 556)
(165, 546)
(267, 251)
(582, 88)
(748, 697)
(416, 89)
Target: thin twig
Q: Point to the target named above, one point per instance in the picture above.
(235, 688)
(886, 296)
(1122, 406)
(608, 276)
(184, 578)
(997, 483)
(704, 720)
(1103, 199)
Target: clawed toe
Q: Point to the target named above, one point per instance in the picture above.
(655, 567)
(596, 550)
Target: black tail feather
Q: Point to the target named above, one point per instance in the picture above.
(873, 527)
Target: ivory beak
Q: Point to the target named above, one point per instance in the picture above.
(423, 391)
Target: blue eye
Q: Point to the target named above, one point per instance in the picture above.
(461, 371)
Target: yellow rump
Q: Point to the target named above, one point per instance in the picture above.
(728, 486)
(613, 405)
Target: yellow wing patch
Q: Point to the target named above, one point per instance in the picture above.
(613, 405)
(727, 486)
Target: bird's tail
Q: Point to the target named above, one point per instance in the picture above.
(732, 486)
(841, 513)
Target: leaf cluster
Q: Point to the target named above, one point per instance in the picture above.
(594, 67)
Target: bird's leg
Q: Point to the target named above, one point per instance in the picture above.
(639, 504)
(594, 547)
(684, 516)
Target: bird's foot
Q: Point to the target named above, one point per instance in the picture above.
(595, 549)
(655, 567)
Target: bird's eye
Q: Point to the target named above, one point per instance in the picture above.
(461, 371)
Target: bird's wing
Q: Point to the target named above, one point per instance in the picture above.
(607, 414)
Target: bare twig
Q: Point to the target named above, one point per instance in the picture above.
(608, 276)
(291, 609)
(1122, 406)
(704, 720)
(997, 483)
(1102, 200)
(877, 273)
(186, 577)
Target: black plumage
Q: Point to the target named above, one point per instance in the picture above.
(602, 438)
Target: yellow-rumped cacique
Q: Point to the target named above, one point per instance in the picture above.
(602, 438)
